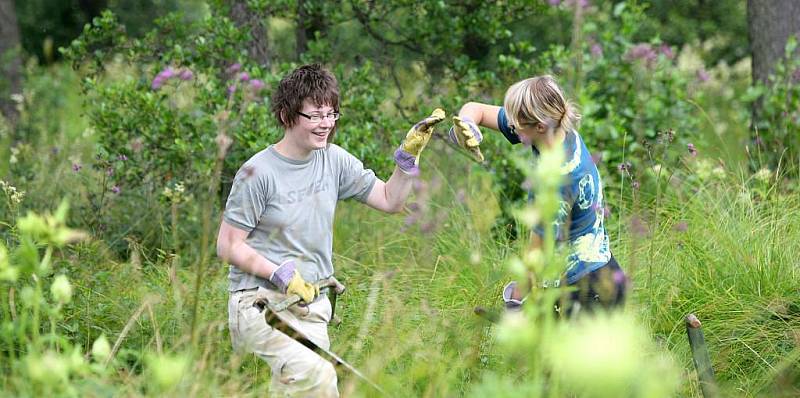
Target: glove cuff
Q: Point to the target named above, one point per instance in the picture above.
(512, 303)
(406, 162)
(283, 275)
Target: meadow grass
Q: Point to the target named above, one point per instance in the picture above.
(723, 247)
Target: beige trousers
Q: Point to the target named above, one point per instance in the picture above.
(296, 370)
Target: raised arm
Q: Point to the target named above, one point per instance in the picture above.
(391, 195)
(481, 114)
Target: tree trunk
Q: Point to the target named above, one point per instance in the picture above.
(770, 22)
(10, 62)
(254, 22)
(311, 18)
(301, 38)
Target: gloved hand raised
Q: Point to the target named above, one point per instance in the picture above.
(407, 155)
(466, 134)
(289, 281)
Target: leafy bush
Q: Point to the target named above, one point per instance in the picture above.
(778, 115)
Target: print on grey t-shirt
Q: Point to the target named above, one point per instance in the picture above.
(288, 207)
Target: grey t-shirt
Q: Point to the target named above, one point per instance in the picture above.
(287, 206)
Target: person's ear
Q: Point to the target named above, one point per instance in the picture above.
(541, 128)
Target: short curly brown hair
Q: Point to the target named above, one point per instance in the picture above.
(312, 82)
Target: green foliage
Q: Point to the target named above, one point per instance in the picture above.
(686, 22)
(778, 101)
(46, 25)
(138, 310)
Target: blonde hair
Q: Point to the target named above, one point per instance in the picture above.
(539, 99)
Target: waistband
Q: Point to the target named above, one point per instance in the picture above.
(322, 293)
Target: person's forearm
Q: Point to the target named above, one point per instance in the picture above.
(246, 259)
(397, 190)
(472, 111)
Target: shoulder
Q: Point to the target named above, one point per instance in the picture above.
(258, 165)
(337, 154)
(335, 150)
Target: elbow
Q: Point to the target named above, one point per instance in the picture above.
(222, 250)
(395, 209)
(468, 107)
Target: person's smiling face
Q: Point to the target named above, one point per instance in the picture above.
(314, 126)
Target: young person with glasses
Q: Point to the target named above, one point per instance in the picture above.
(536, 114)
(277, 227)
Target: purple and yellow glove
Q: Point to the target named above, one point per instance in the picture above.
(466, 134)
(407, 155)
(289, 282)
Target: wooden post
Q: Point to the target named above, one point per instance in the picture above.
(702, 362)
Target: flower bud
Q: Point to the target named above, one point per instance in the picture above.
(61, 289)
(101, 349)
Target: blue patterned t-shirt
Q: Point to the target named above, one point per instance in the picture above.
(582, 205)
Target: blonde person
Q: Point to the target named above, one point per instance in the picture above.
(277, 227)
(535, 113)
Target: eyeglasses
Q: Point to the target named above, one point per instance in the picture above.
(317, 118)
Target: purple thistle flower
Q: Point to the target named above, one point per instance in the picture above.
(702, 75)
(231, 89)
(257, 85)
(692, 149)
(581, 3)
(681, 226)
(527, 184)
(157, 83)
(244, 76)
(186, 74)
(76, 167)
(461, 196)
(635, 184)
(642, 52)
(233, 68)
(122, 157)
(597, 50)
(554, 2)
(625, 166)
(162, 77)
(110, 171)
(638, 226)
(666, 51)
(116, 189)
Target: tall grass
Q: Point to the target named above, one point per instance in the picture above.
(413, 281)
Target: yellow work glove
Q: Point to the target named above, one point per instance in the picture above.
(407, 155)
(300, 287)
(288, 281)
(466, 134)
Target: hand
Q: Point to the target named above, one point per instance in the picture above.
(466, 134)
(288, 281)
(407, 155)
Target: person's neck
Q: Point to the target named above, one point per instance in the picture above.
(288, 149)
(550, 140)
